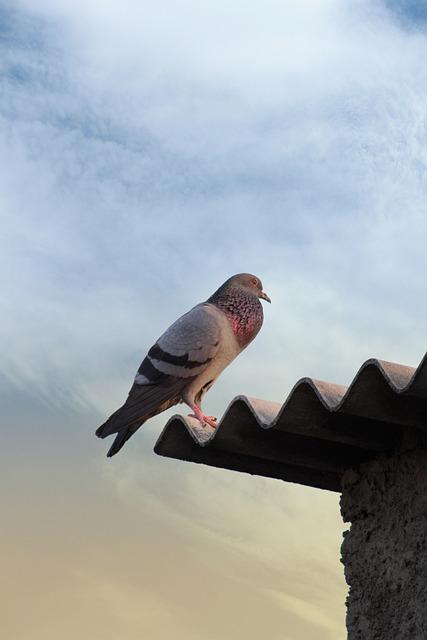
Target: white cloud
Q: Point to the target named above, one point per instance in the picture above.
(151, 150)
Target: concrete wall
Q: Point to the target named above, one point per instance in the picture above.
(385, 551)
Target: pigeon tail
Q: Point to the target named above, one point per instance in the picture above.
(115, 423)
(142, 403)
(121, 439)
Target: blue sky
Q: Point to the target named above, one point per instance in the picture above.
(413, 13)
(149, 151)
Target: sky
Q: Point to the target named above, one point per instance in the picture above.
(150, 150)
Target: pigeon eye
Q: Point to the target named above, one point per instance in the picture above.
(254, 281)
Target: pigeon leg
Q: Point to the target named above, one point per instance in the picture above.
(204, 420)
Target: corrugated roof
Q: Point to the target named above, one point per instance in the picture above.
(321, 429)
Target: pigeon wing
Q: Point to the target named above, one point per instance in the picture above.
(182, 353)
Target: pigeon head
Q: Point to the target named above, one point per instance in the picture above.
(246, 282)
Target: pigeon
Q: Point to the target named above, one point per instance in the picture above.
(187, 359)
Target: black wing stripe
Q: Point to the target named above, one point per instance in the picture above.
(149, 371)
(157, 353)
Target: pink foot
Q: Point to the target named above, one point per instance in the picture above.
(204, 420)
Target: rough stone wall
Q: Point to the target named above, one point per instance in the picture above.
(385, 551)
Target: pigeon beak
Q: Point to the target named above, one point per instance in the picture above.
(264, 296)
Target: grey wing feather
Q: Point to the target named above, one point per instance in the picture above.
(180, 354)
(190, 343)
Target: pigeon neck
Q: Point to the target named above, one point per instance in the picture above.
(243, 310)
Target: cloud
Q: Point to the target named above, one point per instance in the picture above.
(149, 152)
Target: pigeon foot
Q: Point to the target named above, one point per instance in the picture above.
(204, 420)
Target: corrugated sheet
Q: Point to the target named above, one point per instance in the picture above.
(321, 429)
